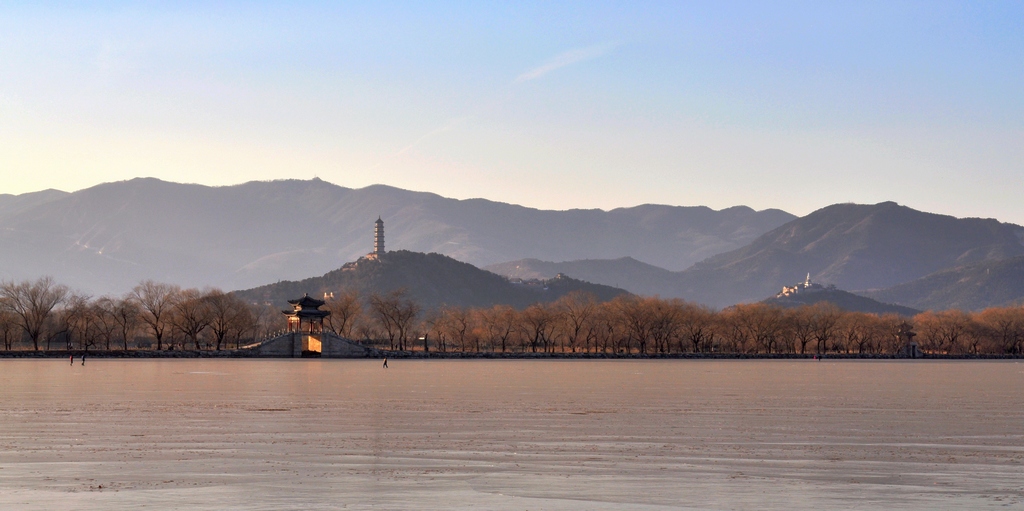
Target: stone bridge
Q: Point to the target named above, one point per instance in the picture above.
(324, 345)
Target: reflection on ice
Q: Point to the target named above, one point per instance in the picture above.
(335, 434)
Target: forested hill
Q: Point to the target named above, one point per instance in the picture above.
(432, 280)
(845, 300)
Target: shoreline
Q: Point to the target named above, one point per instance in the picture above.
(419, 355)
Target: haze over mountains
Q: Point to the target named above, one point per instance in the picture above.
(107, 238)
(634, 276)
(853, 246)
(971, 287)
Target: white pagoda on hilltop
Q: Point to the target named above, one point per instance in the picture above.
(804, 287)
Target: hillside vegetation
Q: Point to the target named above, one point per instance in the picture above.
(431, 280)
(844, 300)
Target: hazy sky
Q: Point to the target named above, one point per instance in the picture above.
(794, 105)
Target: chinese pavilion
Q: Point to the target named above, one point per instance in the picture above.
(306, 316)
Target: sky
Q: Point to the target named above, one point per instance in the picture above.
(555, 105)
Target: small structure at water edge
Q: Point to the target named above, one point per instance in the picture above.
(909, 349)
(307, 337)
(306, 310)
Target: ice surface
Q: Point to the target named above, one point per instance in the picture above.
(539, 435)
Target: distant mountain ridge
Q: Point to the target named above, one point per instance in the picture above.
(635, 276)
(107, 238)
(14, 204)
(976, 286)
(431, 280)
(852, 246)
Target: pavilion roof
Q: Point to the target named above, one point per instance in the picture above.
(307, 302)
(307, 313)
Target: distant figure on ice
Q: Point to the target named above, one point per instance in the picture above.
(83, 358)
(385, 362)
(72, 360)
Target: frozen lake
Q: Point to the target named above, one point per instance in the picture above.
(512, 434)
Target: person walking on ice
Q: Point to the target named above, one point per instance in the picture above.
(385, 362)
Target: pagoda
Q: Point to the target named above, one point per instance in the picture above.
(378, 240)
(378, 236)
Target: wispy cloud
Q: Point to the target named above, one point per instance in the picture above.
(566, 59)
(557, 62)
(448, 126)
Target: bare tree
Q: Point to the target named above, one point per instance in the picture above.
(436, 328)
(246, 320)
(667, 316)
(191, 315)
(608, 329)
(855, 329)
(8, 327)
(32, 303)
(457, 323)
(637, 319)
(578, 310)
(872, 332)
(1005, 326)
(759, 325)
(824, 317)
(105, 313)
(698, 324)
(500, 323)
(157, 303)
(801, 326)
(944, 332)
(266, 320)
(127, 315)
(346, 309)
(79, 322)
(395, 313)
(891, 336)
(223, 314)
(538, 324)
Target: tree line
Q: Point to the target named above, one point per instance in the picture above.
(46, 315)
(43, 315)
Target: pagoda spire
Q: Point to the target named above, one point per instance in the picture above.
(378, 236)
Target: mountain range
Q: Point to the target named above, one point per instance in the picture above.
(107, 238)
(635, 276)
(976, 286)
(851, 246)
